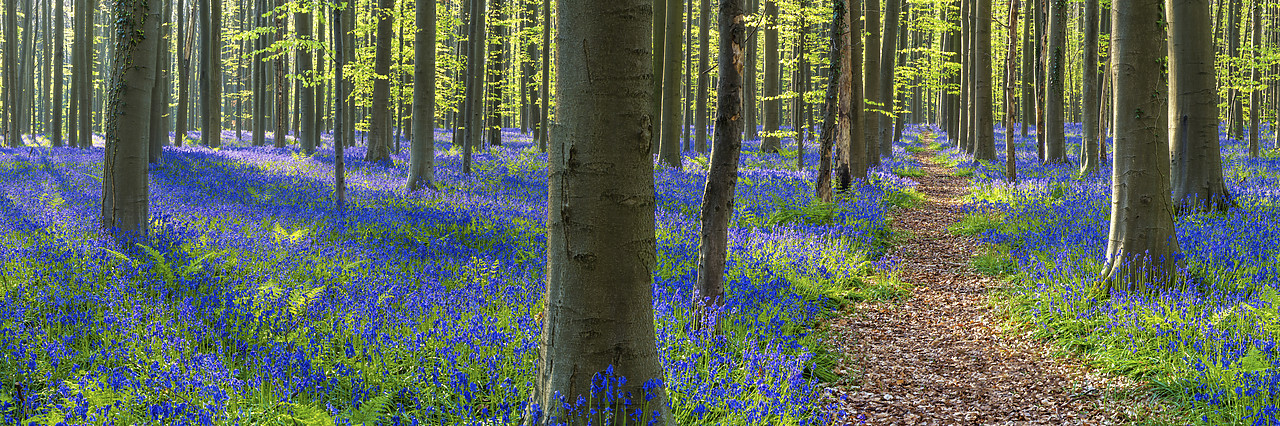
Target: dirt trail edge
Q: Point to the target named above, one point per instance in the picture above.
(939, 357)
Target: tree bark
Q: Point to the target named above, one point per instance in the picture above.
(59, 36)
(281, 113)
(871, 85)
(340, 102)
(379, 132)
(888, 67)
(1028, 70)
(1055, 130)
(125, 190)
(722, 176)
(1142, 246)
(749, 74)
(1193, 110)
(1089, 161)
(669, 139)
(497, 66)
(1011, 104)
(800, 82)
(600, 228)
(159, 136)
(659, 39)
(704, 77)
(545, 133)
(772, 78)
(1255, 80)
(422, 156)
(835, 109)
(984, 124)
(307, 135)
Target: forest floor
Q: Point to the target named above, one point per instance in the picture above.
(945, 355)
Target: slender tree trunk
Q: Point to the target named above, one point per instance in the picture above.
(422, 156)
(1089, 163)
(1142, 247)
(966, 86)
(1028, 70)
(307, 135)
(871, 85)
(669, 139)
(125, 190)
(281, 113)
(600, 247)
(659, 39)
(545, 85)
(835, 109)
(1041, 85)
(772, 78)
(888, 66)
(379, 132)
(12, 134)
(722, 176)
(1193, 111)
(159, 136)
(800, 83)
(59, 36)
(749, 74)
(497, 64)
(1255, 98)
(1011, 104)
(1236, 111)
(183, 53)
(704, 77)
(340, 102)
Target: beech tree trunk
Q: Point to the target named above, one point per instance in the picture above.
(984, 123)
(125, 191)
(722, 176)
(308, 137)
(888, 66)
(379, 122)
(600, 227)
(835, 112)
(1011, 104)
(772, 79)
(704, 77)
(1055, 102)
(871, 85)
(59, 34)
(1089, 147)
(422, 156)
(669, 139)
(1142, 246)
(1193, 110)
(751, 64)
(159, 133)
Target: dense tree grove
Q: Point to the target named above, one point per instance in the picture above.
(626, 211)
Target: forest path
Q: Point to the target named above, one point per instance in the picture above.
(940, 358)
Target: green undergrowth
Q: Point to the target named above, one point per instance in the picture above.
(1136, 350)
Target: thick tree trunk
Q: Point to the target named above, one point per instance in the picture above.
(1193, 110)
(888, 66)
(984, 123)
(851, 134)
(422, 156)
(871, 85)
(669, 139)
(1142, 247)
(772, 78)
(12, 133)
(1090, 145)
(1041, 86)
(1236, 111)
(379, 131)
(704, 77)
(600, 246)
(125, 192)
(966, 75)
